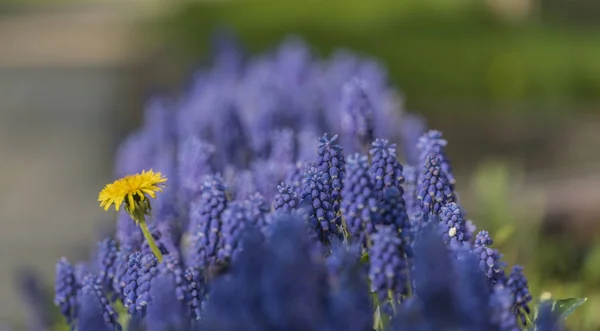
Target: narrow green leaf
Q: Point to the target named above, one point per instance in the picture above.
(364, 258)
(566, 307)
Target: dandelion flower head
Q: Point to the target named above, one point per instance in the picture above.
(132, 190)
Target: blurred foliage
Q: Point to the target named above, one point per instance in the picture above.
(438, 52)
(556, 265)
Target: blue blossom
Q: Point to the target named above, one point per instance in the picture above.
(295, 175)
(413, 205)
(33, 294)
(196, 290)
(502, 316)
(453, 225)
(121, 265)
(256, 208)
(385, 169)
(331, 163)
(286, 198)
(388, 269)
(194, 161)
(350, 307)
(283, 147)
(205, 221)
(356, 115)
(148, 270)
(234, 223)
(131, 280)
(243, 185)
(517, 283)
(434, 189)
(166, 311)
(490, 260)
(317, 202)
(412, 128)
(392, 210)
(229, 135)
(106, 261)
(95, 312)
(65, 289)
(433, 279)
(359, 204)
(432, 142)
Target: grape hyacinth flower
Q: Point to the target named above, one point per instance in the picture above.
(433, 280)
(205, 221)
(413, 206)
(121, 266)
(392, 210)
(234, 223)
(65, 289)
(453, 225)
(194, 160)
(357, 115)
(131, 280)
(432, 142)
(95, 312)
(386, 171)
(318, 204)
(331, 162)
(295, 175)
(412, 128)
(195, 288)
(283, 147)
(388, 268)
(500, 306)
(351, 306)
(517, 283)
(359, 204)
(106, 261)
(490, 260)
(434, 189)
(257, 209)
(286, 199)
(167, 311)
(148, 270)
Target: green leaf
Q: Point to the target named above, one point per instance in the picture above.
(364, 258)
(566, 307)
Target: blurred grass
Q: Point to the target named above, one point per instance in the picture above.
(553, 263)
(437, 52)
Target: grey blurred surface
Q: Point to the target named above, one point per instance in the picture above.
(62, 92)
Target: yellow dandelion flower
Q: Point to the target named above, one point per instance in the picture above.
(132, 190)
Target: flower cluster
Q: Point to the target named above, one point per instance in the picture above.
(274, 224)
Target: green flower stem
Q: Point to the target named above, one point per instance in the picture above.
(150, 240)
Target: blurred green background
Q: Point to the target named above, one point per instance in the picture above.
(513, 84)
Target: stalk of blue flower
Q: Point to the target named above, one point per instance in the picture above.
(411, 129)
(490, 260)
(388, 269)
(286, 198)
(357, 116)
(434, 280)
(317, 202)
(359, 203)
(66, 289)
(385, 169)
(205, 222)
(517, 283)
(106, 261)
(234, 222)
(95, 312)
(432, 142)
(502, 316)
(331, 163)
(166, 311)
(434, 189)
